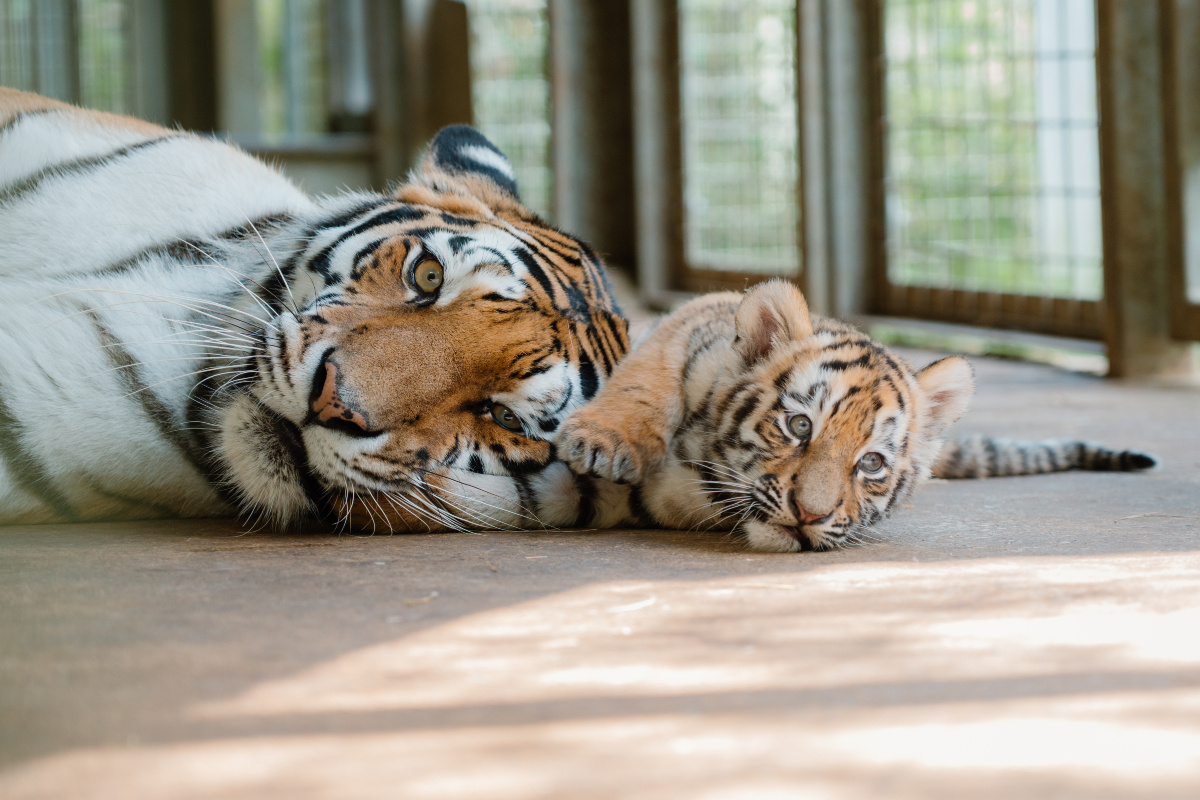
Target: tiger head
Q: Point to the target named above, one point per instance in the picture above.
(444, 327)
(824, 429)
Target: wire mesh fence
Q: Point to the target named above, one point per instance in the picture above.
(72, 50)
(740, 141)
(992, 156)
(293, 66)
(103, 58)
(510, 89)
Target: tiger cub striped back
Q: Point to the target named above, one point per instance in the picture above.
(742, 412)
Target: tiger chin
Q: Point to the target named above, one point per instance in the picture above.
(192, 335)
(742, 412)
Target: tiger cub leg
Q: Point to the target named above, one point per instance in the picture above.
(624, 431)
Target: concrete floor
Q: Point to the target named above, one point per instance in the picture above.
(1029, 637)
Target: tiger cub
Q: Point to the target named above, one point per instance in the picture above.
(743, 412)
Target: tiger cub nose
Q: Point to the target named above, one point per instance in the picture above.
(803, 516)
(327, 406)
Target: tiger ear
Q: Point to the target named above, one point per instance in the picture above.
(948, 386)
(462, 162)
(771, 314)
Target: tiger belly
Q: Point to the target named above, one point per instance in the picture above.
(85, 432)
(102, 281)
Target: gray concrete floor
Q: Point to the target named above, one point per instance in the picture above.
(1029, 637)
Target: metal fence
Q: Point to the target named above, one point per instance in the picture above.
(293, 65)
(1183, 136)
(991, 162)
(510, 89)
(740, 162)
(73, 50)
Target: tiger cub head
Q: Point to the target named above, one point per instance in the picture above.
(444, 327)
(824, 430)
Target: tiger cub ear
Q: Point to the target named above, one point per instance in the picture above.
(770, 314)
(948, 386)
(461, 162)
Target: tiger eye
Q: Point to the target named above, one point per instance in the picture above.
(800, 426)
(428, 276)
(505, 418)
(871, 462)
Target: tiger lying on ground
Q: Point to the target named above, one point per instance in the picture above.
(743, 413)
(188, 334)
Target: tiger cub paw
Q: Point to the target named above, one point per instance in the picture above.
(592, 447)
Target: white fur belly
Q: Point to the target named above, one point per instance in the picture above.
(84, 430)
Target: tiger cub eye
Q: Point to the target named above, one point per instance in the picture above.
(428, 276)
(505, 418)
(871, 462)
(800, 426)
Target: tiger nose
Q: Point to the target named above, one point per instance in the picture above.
(803, 516)
(327, 406)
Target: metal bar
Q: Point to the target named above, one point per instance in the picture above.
(192, 64)
(388, 46)
(812, 93)
(658, 155)
(148, 59)
(591, 99)
(240, 79)
(1181, 104)
(1136, 228)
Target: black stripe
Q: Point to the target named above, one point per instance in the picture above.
(69, 168)
(24, 115)
(638, 509)
(320, 262)
(1052, 457)
(193, 251)
(129, 375)
(528, 500)
(29, 472)
(993, 457)
(585, 513)
(841, 366)
(526, 257)
(743, 411)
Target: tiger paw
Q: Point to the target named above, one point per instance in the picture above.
(590, 447)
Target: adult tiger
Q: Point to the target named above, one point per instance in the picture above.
(188, 334)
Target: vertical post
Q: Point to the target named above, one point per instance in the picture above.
(813, 128)
(238, 73)
(658, 156)
(1182, 86)
(1134, 194)
(56, 49)
(192, 32)
(839, 48)
(852, 184)
(350, 85)
(388, 47)
(591, 94)
(148, 50)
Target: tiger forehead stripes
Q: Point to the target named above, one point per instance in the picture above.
(221, 341)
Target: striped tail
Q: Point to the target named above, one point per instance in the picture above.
(984, 457)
